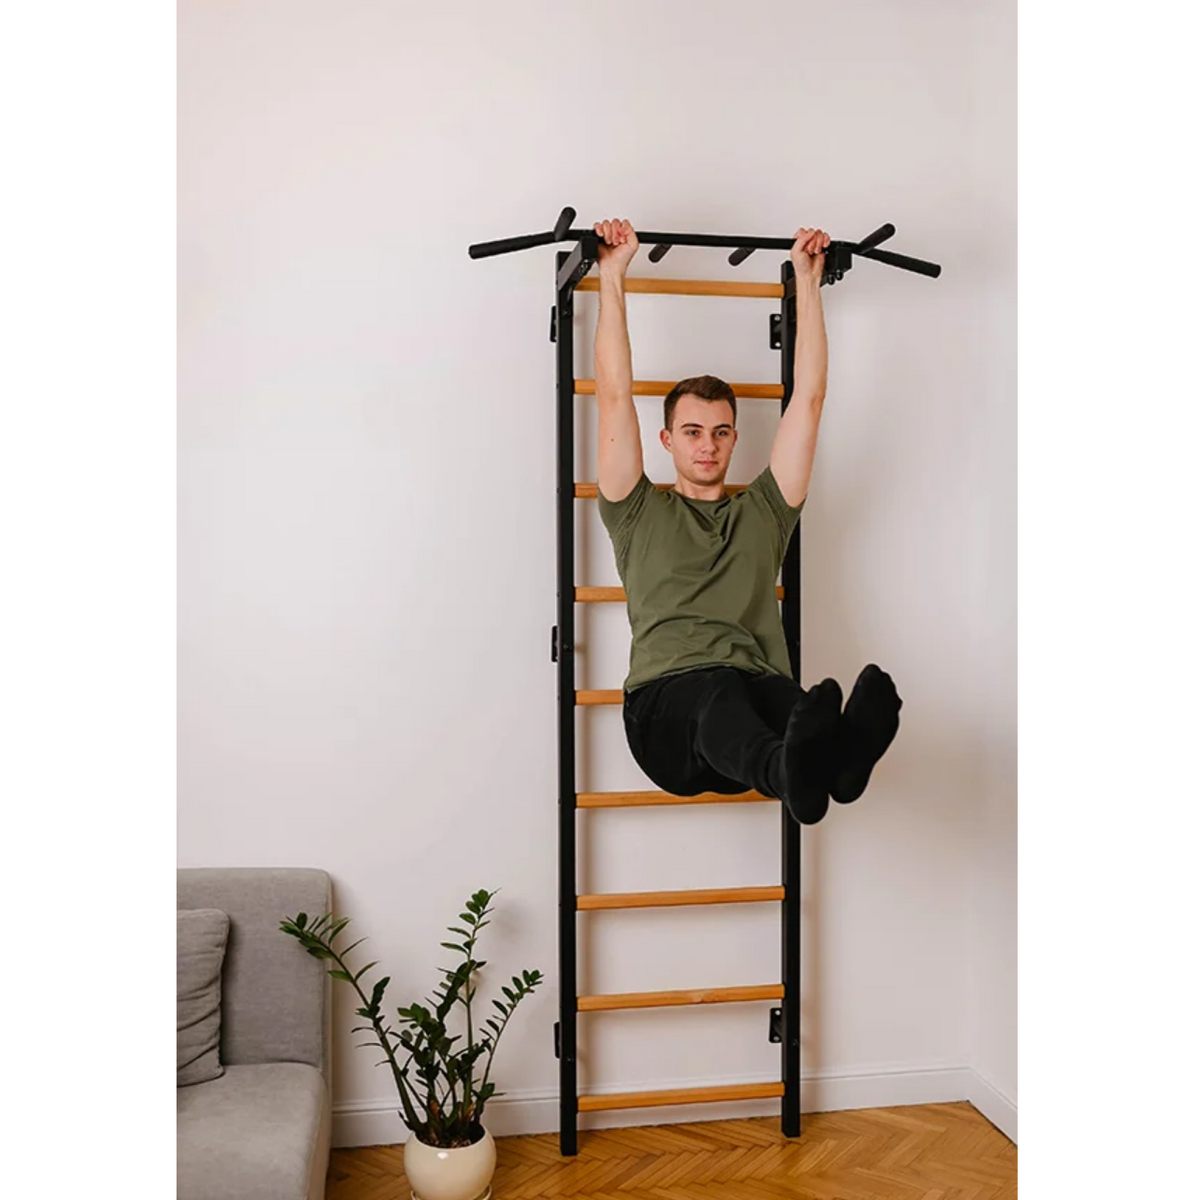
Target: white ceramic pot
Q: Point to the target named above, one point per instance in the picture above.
(461, 1174)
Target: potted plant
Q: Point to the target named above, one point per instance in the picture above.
(443, 1087)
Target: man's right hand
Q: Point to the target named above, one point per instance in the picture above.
(618, 245)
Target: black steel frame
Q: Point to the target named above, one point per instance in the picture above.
(790, 865)
(563, 650)
(570, 269)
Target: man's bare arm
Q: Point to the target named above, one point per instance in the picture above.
(795, 444)
(619, 452)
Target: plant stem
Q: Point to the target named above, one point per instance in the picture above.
(470, 1041)
(496, 1042)
(470, 949)
(410, 1114)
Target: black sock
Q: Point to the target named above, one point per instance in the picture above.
(807, 746)
(865, 731)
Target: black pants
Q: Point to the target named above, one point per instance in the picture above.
(712, 729)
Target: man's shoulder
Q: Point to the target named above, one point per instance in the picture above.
(765, 488)
(762, 480)
(749, 491)
(640, 486)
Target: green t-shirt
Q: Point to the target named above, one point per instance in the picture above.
(700, 577)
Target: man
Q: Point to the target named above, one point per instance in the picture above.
(709, 702)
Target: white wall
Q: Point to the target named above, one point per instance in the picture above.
(366, 505)
(992, 936)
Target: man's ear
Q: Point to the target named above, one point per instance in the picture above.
(664, 436)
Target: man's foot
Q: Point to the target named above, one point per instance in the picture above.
(865, 731)
(808, 743)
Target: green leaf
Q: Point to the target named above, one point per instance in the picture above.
(340, 974)
(302, 920)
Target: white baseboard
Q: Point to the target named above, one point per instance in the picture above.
(376, 1122)
(997, 1107)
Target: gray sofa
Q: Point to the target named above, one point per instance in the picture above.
(262, 1130)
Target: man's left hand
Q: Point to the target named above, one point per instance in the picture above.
(808, 255)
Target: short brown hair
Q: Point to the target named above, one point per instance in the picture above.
(703, 387)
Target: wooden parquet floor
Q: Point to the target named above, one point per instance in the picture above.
(917, 1152)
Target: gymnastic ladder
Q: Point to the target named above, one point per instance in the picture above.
(571, 270)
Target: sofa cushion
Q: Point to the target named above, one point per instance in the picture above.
(276, 1000)
(253, 1134)
(201, 937)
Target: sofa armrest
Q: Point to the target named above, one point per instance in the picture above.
(276, 999)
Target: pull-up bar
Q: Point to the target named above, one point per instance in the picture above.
(838, 254)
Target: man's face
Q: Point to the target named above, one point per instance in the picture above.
(701, 438)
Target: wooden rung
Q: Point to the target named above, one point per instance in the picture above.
(589, 491)
(598, 595)
(726, 995)
(604, 595)
(745, 895)
(660, 387)
(605, 696)
(702, 1095)
(639, 799)
(688, 287)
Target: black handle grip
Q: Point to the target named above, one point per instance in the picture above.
(874, 239)
(508, 245)
(917, 265)
(563, 223)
